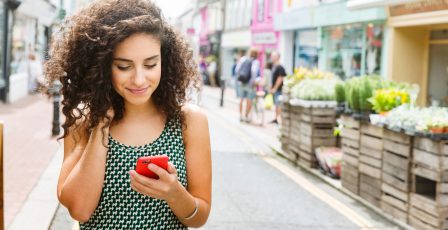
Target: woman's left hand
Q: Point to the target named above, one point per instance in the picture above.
(167, 187)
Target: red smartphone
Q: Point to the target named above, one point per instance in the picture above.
(143, 162)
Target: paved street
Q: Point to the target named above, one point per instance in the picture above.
(29, 148)
(255, 189)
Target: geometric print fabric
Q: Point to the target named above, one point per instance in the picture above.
(120, 207)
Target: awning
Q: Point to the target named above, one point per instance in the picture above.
(43, 10)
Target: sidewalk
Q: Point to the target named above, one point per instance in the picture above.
(29, 148)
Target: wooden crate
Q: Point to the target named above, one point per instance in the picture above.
(350, 177)
(307, 147)
(429, 195)
(318, 115)
(350, 137)
(425, 213)
(294, 134)
(286, 119)
(396, 174)
(316, 130)
(370, 151)
(370, 189)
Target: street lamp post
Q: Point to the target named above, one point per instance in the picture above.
(56, 87)
(56, 92)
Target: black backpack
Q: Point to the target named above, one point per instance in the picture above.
(244, 73)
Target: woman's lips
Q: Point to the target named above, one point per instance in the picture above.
(138, 91)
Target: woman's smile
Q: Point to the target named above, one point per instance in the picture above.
(138, 91)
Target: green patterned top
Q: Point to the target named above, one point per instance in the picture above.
(120, 207)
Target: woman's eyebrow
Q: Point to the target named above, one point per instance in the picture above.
(127, 60)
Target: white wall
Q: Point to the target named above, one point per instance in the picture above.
(286, 48)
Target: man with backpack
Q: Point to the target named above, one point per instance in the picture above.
(247, 70)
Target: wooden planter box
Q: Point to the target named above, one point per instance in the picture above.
(350, 137)
(429, 196)
(316, 130)
(370, 163)
(285, 129)
(396, 174)
(292, 152)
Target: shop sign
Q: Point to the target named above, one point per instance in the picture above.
(264, 38)
(418, 7)
(190, 31)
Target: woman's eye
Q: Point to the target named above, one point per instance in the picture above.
(123, 67)
(150, 66)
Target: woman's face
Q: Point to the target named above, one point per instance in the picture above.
(136, 69)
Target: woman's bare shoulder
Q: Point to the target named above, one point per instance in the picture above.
(193, 111)
(195, 117)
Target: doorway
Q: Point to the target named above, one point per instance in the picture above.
(438, 68)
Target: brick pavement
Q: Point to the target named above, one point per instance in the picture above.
(29, 149)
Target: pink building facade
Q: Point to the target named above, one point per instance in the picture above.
(264, 37)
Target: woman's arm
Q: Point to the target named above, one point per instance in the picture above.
(199, 169)
(82, 173)
(199, 175)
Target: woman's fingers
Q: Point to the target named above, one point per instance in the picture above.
(141, 179)
(171, 168)
(162, 173)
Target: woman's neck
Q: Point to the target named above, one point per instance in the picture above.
(140, 111)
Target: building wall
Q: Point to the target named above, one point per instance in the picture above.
(408, 57)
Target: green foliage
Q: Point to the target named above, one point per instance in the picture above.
(354, 99)
(365, 92)
(385, 100)
(339, 90)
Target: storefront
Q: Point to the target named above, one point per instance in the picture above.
(331, 37)
(264, 36)
(419, 48)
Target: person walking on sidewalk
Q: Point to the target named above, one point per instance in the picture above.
(248, 69)
(124, 73)
(278, 73)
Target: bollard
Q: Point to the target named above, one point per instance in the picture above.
(56, 92)
(223, 87)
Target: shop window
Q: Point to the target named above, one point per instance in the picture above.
(270, 8)
(374, 36)
(347, 56)
(260, 12)
(306, 50)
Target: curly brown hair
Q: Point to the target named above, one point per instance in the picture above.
(81, 59)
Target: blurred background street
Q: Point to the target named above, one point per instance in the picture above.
(359, 139)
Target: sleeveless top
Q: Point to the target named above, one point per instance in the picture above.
(120, 207)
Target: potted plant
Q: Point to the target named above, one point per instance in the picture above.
(339, 91)
(354, 102)
(384, 100)
(365, 92)
(437, 125)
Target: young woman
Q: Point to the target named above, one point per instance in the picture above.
(124, 73)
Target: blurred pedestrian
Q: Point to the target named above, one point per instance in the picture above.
(124, 73)
(239, 54)
(267, 77)
(248, 69)
(34, 72)
(212, 68)
(278, 73)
